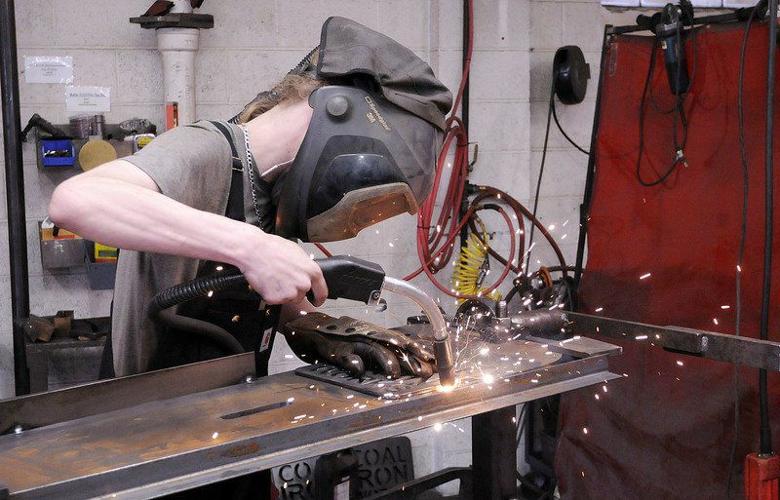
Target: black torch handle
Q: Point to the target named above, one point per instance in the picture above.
(351, 278)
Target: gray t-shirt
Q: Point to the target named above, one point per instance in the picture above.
(192, 165)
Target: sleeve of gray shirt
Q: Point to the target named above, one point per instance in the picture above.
(190, 164)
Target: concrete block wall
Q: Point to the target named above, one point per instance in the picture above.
(252, 44)
(554, 24)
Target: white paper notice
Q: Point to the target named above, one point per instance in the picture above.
(48, 69)
(82, 99)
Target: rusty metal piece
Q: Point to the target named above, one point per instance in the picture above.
(478, 362)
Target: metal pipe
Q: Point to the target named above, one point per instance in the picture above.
(445, 359)
(591, 173)
(464, 115)
(731, 17)
(14, 182)
(766, 430)
(178, 47)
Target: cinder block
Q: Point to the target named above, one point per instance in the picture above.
(423, 452)
(5, 266)
(406, 21)
(50, 293)
(139, 77)
(7, 387)
(34, 23)
(500, 75)
(259, 70)
(240, 24)
(450, 69)
(96, 23)
(583, 25)
(299, 22)
(34, 266)
(564, 172)
(500, 126)
(546, 24)
(501, 24)
(211, 77)
(3, 208)
(216, 111)
(39, 186)
(508, 171)
(576, 120)
(540, 75)
(450, 17)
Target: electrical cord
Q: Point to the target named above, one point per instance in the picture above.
(563, 132)
(541, 175)
(742, 237)
(679, 144)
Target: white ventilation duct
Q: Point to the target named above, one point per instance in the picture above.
(178, 47)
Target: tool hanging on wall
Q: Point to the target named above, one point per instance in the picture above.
(668, 27)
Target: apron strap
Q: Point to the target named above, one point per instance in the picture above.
(235, 204)
(235, 210)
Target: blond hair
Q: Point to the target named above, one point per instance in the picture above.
(295, 86)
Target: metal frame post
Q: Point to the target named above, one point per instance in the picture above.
(14, 182)
(494, 454)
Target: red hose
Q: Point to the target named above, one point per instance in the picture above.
(434, 254)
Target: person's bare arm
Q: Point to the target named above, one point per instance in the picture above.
(120, 205)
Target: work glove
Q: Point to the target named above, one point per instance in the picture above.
(356, 346)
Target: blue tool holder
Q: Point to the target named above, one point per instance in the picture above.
(48, 145)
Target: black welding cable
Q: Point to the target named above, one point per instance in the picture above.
(742, 237)
(539, 179)
(158, 308)
(763, 396)
(563, 132)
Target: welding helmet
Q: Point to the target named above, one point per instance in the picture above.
(370, 150)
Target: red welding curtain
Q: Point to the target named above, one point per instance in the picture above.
(666, 430)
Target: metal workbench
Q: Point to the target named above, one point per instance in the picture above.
(145, 436)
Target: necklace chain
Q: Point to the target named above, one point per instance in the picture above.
(251, 165)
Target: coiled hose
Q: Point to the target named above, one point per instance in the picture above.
(472, 266)
(159, 308)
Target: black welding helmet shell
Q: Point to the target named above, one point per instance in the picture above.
(362, 160)
(370, 150)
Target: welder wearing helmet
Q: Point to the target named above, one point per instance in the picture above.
(348, 138)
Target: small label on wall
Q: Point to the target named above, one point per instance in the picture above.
(83, 99)
(48, 69)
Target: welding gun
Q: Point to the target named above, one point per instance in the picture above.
(347, 278)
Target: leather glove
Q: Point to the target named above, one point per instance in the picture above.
(356, 345)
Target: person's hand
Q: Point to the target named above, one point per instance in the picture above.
(279, 270)
(357, 346)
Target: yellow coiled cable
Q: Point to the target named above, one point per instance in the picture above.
(472, 267)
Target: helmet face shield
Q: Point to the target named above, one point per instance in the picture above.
(362, 160)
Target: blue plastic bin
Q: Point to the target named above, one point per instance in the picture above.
(57, 145)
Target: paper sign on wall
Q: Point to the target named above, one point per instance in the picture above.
(87, 99)
(48, 69)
